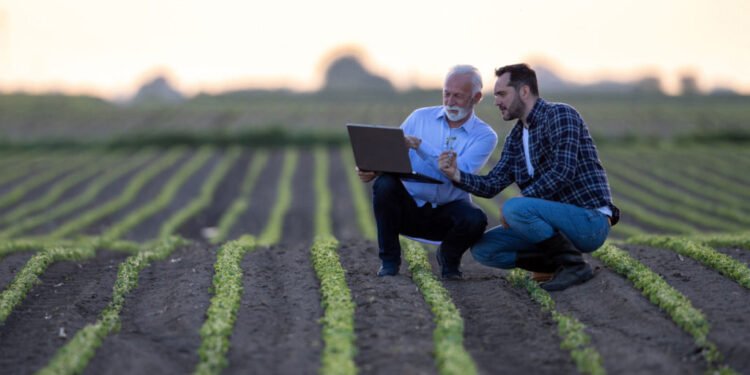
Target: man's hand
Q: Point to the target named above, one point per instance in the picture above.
(366, 176)
(447, 164)
(412, 141)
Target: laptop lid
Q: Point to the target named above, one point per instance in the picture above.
(381, 148)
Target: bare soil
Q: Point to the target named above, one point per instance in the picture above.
(278, 331)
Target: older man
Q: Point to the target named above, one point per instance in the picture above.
(440, 212)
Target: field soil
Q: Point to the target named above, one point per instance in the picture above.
(277, 328)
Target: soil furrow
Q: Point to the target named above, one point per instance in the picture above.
(262, 198)
(149, 191)
(392, 322)
(149, 228)
(653, 343)
(504, 330)
(161, 318)
(722, 301)
(277, 329)
(223, 197)
(344, 216)
(10, 265)
(70, 295)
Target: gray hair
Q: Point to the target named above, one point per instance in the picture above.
(476, 78)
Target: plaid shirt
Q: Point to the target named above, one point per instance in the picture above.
(565, 161)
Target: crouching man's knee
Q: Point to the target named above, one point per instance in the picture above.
(386, 185)
(474, 222)
(491, 256)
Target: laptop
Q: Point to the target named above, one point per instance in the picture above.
(381, 148)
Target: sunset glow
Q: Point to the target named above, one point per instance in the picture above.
(109, 48)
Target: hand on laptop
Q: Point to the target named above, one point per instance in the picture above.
(366, 176)
(412, 141)
(447, 164)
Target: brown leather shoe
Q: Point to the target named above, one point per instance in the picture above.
(541, 277)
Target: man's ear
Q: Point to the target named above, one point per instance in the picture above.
(477, 98)
(525, 91)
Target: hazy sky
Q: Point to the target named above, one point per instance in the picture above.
(108, 47)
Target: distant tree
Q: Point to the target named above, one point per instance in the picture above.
(648, 85)
(158, 91)
(689, 85)
(348, 74)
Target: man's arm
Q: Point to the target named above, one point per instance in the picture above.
(565, 131)
(484, 186)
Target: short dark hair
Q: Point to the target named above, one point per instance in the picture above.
(520, 74)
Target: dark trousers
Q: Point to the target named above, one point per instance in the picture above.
(457, 224)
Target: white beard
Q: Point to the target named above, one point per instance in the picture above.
(462, 112)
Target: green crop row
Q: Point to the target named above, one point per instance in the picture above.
(272, 232)
(699, 185)
(626, 230)
(56, 169)
(222, 313)
(741, 240)
(73, 357)
(674, 303)
(206, 195)
(571, 330)
(20, 165)
(650, 218)
(54, 193)
(163, 199)
(450, 354)
(29, 244)
(338, 308)
(361, 203)
(662, 197)
(32, 244)
(717, 175)
(242, 202)
(28, 276)
(687, 217)
(336, 299)
(129, 193)
(74, 203)
(724, 264)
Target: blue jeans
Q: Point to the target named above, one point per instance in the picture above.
(532, 220)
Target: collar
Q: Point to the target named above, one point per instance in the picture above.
(535, 113)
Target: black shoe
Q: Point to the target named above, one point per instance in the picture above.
(447, 272)
(571, 268)
(387, 270)
(568, 276)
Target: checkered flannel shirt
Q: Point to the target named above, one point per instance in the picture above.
(566, 164)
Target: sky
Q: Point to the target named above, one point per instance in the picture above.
(109, 48)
